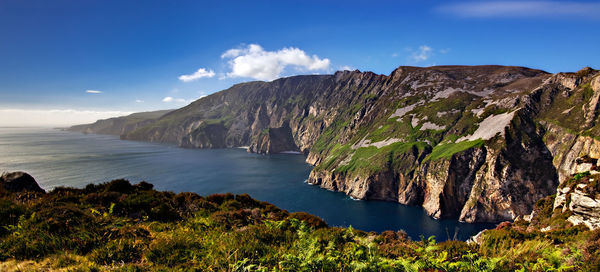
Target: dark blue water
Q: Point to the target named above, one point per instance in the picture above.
(58, 158)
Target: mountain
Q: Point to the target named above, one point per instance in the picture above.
(476, 143)
(120, 125)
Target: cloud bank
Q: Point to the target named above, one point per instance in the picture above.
(254, 62)
(522, 9)
(53, 117)
(200, 73)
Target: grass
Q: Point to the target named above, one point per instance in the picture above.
(567, 111)
(366, 161)
(117, 226)
(446, 150)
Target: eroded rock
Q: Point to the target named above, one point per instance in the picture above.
(19, 182)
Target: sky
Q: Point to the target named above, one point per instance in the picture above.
(65, 62)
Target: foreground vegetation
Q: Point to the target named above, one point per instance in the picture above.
(123, 227)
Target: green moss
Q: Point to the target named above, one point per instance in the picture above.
(444, 151)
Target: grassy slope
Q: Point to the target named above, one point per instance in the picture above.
(124, 227)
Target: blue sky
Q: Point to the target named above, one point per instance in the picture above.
(97, 58)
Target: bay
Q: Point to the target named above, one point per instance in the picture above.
(60, 158)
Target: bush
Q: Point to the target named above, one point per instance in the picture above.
(310, 219)
(591, 250)
(144, 186)
(219, 198)
(231, 219)
(119, 185)
(9, 214)
(164, 212)
(247, 201)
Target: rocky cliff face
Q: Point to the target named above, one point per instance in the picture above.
(580, 195)
(274, 140)
(477, 143)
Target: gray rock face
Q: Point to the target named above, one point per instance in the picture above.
(476, 143)
(585, 208)
(581, 195)
(274, 140)
(19, 182)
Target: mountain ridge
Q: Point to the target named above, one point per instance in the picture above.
(476, 143)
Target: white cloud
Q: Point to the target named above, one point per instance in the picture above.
(522, 9)
(232, 53)
(254, 62)
(53, 117)
(170, 99)
(346, 68)
(423, 54)
(200, 73)
(139, 101)
(93, 91)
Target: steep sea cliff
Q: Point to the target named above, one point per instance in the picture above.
(477, 143)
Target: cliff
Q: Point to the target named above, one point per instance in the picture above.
(120, 125)
(477, 143)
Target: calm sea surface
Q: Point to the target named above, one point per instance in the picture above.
(59, 158)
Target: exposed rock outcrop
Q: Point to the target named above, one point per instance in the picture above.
(580, 195)
(19, 182)
(585, 208)
(274, 140)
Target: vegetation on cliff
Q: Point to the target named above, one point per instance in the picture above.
(123, 227)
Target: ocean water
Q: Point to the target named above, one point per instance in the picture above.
(60, 158)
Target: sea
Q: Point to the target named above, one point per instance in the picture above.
(60, 158)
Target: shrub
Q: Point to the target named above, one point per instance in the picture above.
(164, 212)
(231, 205)
(591, 249)
(103, 199)
(230, 219)
(119, 185)
(9, 214)
(219, 198)
(310, 219)
(64, 219)
(247, 201)
(144, 186)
